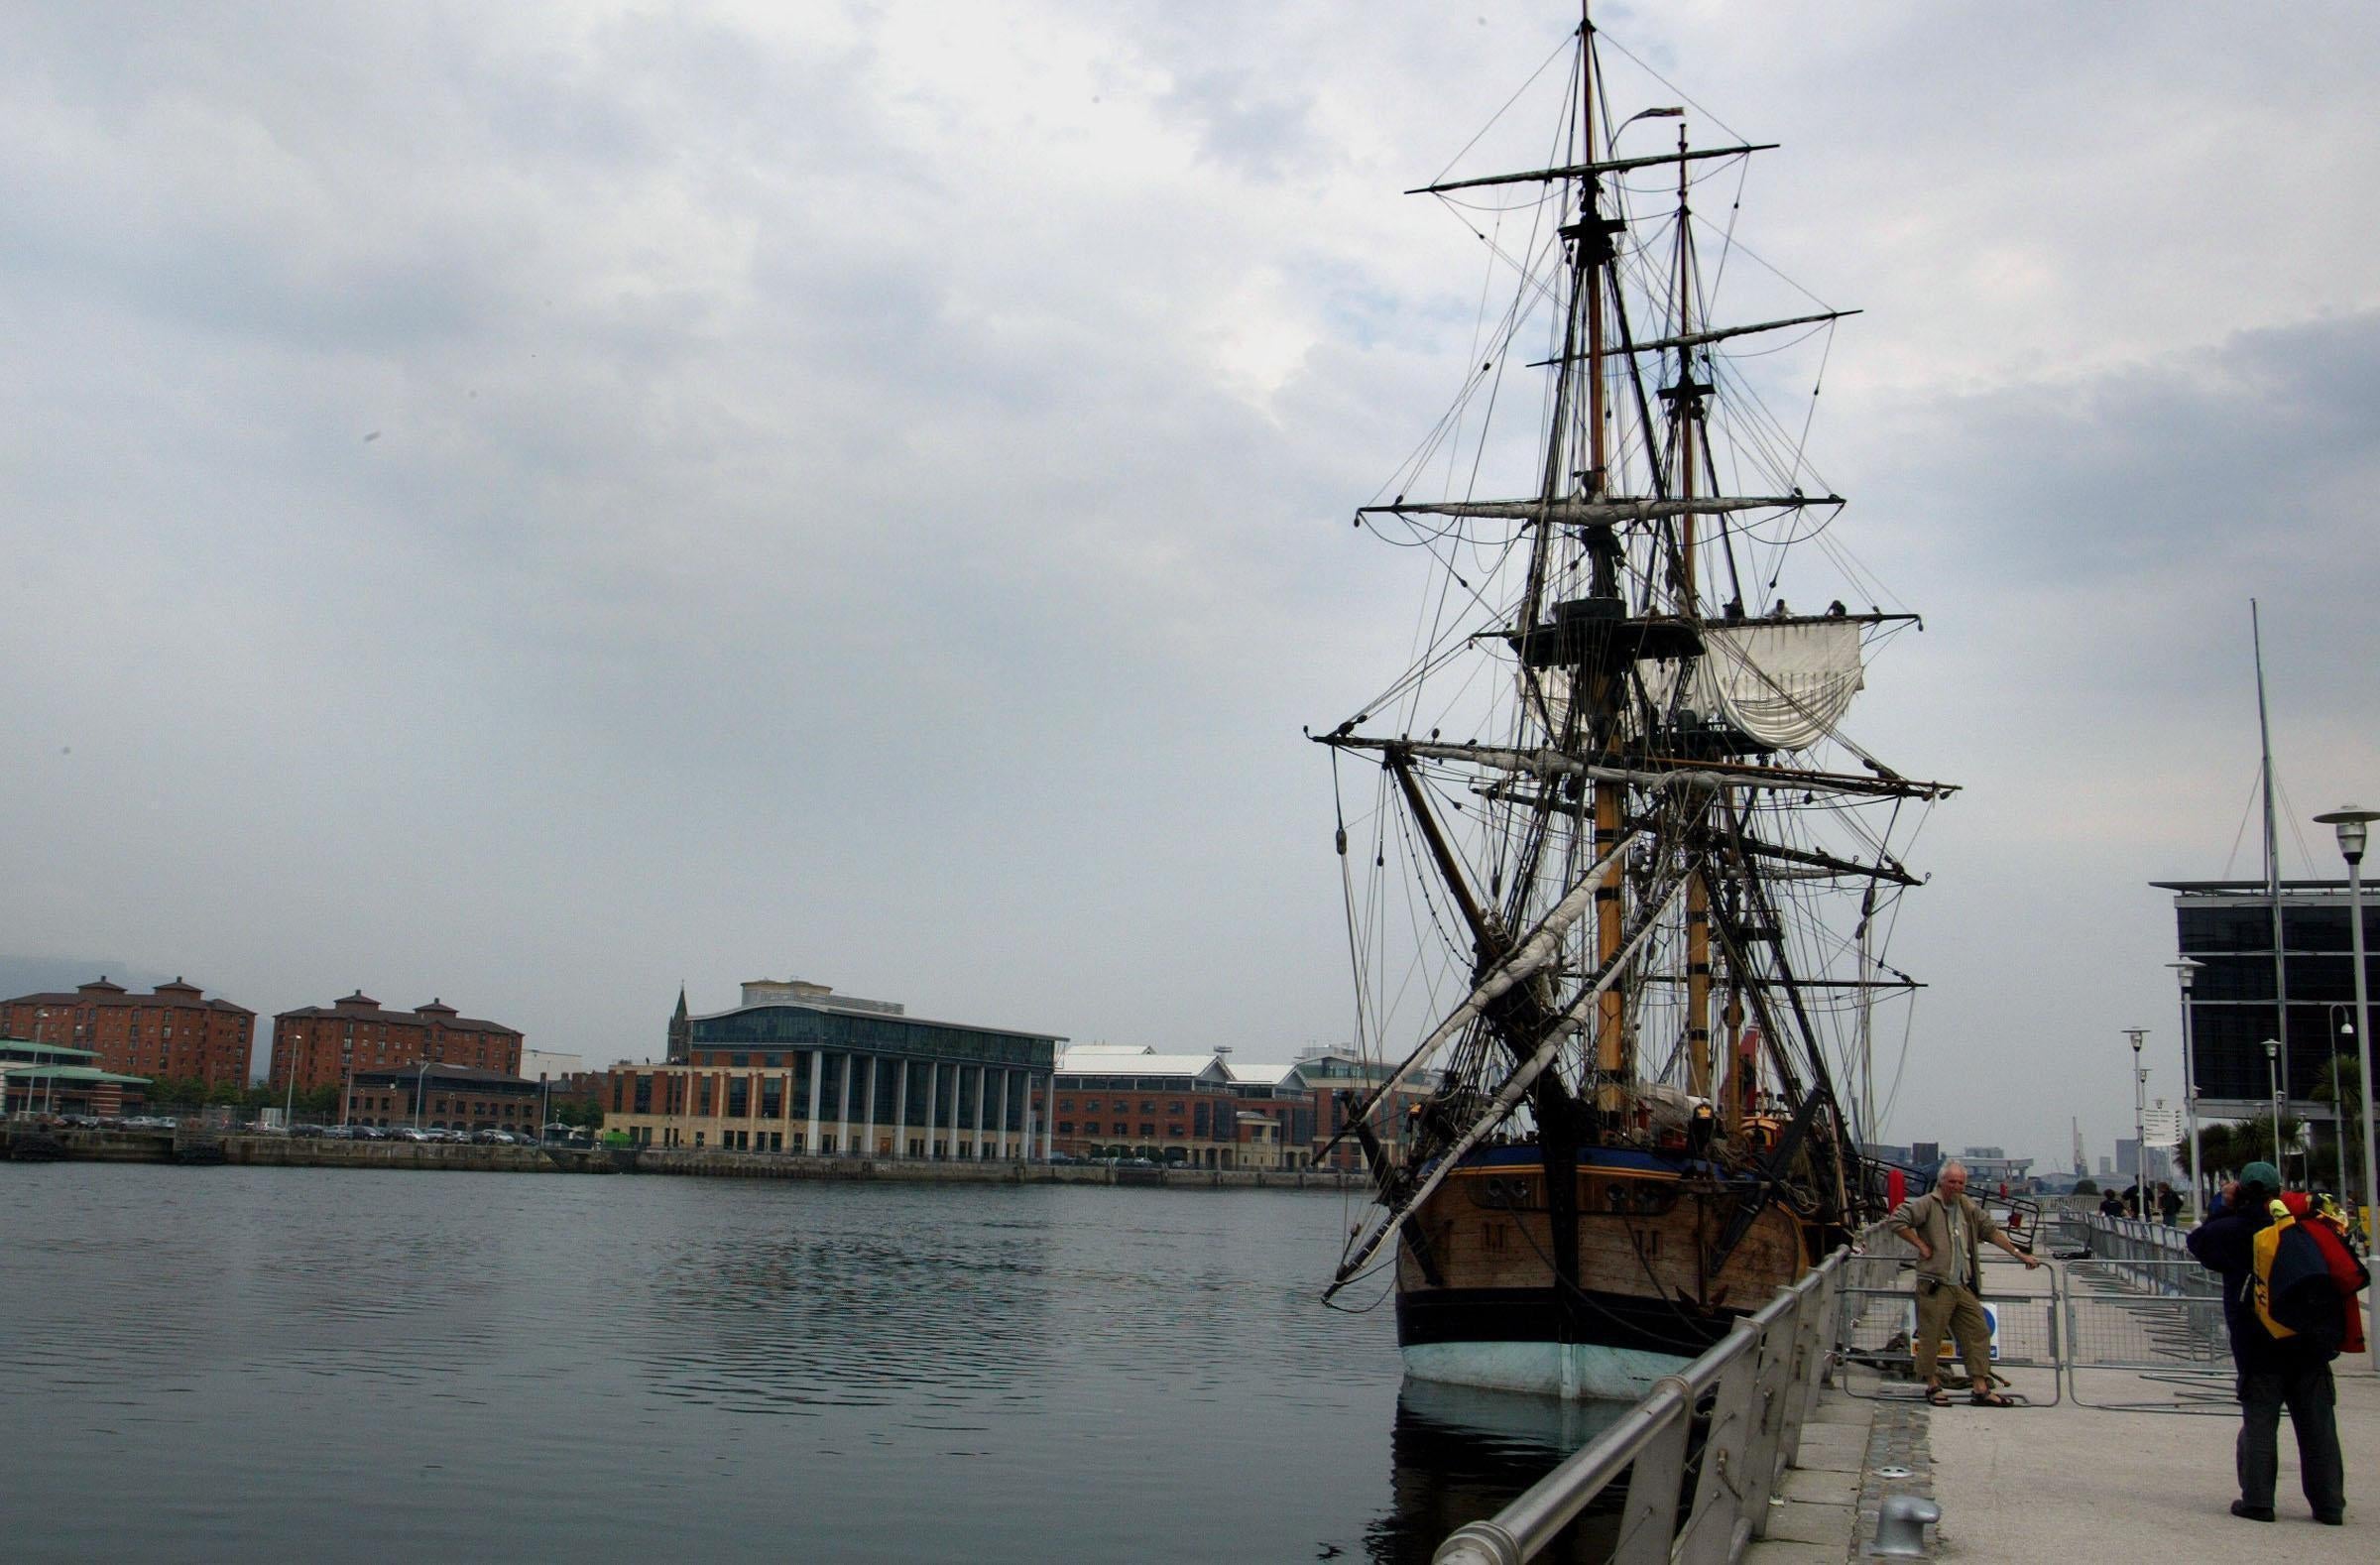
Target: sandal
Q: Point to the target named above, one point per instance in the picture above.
(1992, 1399)
(1938, 1396)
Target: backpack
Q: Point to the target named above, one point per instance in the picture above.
(2296, 1291)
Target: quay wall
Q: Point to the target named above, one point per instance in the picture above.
(81, 1144)
(717, 1163)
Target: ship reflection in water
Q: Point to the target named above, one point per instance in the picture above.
(1460, 1454)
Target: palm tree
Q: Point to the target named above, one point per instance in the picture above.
(2217, 1145)
(2252, 1142)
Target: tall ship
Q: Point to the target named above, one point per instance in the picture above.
(1619, 875)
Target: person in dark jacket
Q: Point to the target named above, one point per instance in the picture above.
(2169, 1204)
(2292, 1372)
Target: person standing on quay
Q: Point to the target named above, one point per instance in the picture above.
(2285, 1325)
(1947, 1228)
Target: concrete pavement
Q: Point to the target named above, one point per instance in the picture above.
(2071, 1482)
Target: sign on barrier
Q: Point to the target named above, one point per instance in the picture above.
(1991, 1324)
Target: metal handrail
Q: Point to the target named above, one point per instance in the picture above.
(1762, 1380)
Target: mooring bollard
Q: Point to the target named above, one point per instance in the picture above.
(1901, 1528)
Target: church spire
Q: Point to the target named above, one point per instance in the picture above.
(681, 1031)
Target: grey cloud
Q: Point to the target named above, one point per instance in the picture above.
(810, 529)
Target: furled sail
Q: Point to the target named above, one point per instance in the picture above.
(1785, 684)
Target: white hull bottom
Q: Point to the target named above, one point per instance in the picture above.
(1578, 1371)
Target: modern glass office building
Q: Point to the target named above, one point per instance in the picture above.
(2235, 995)
(799, 1068)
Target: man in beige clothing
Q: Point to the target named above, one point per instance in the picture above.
(1947, 1228)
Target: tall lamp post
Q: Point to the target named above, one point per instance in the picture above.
(2338, 1106)
(2186, 971)
(420, 1072)
(2272, 1063)
(2351, 822)
(2140, 1138)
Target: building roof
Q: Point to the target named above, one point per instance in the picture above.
(452, 1075)
(101, 992)
(26, 1051)
(1260, 1073)
(874, 1010)
(1208, 1067)
(2247, 887)
(360, 1005)
(18, 1071)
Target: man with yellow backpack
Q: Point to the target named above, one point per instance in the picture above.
(2289, 1306)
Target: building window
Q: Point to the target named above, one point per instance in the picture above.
(1148, 1131)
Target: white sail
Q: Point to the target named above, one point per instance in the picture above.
(1785, 684)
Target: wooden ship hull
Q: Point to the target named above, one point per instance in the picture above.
(1476, 1304)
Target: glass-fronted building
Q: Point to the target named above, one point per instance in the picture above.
(799, 1068)
(2235, 1004)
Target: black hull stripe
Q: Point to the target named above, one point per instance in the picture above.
(1608, 1320)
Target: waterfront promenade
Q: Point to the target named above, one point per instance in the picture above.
(2074, 1483)
(2124, 1449)
(2119, 1442)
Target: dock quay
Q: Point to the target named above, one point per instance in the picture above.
(185, 1144)
(1804, 1438)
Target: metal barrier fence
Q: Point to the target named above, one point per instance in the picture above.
(2123, 1319)
(2159, 1323)
(1756, 1389)
(2024, 1311)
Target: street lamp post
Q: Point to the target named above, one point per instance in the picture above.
(2186, 971)
(288, 1102)
(2272, 1063)
(420, 1072)
(2350, 823)
(2140, 1138)
(2338, 1102)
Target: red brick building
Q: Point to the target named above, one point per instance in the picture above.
(1109, 1101)
(322, 1043)
(445, 1097)
(174, 1031)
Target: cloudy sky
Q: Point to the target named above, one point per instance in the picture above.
(533, 504)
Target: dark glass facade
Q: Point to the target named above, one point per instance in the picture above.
(2228, 932)
(756, 1030)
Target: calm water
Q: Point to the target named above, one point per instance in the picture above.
(256, 1364)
